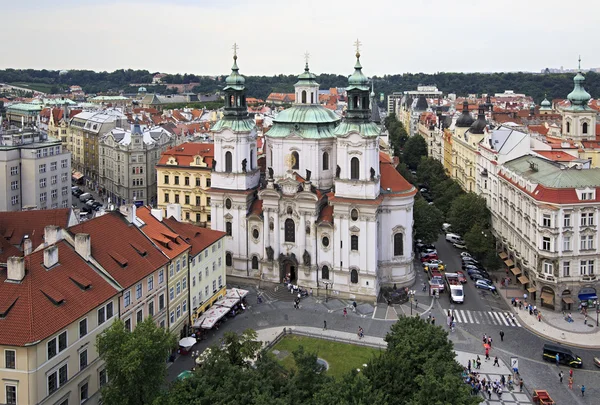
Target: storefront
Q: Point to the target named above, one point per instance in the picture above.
(587, 296)
(547, 297)
(567, 300)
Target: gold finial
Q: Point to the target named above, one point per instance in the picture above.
(357, 44)
(306, 57)
(235, 47)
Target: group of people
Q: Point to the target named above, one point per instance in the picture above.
(479, 384)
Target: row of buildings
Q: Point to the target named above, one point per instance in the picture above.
(63, 282)
(539, 172)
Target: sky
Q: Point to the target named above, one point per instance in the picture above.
(397, 36)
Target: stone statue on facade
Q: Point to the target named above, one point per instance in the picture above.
(214, 164)
(270, 253)
(270, 169)
(338, 170)
(306, 258)
(308, 174)
(244, 163)
(372, 174)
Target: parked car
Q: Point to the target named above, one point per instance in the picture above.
(453, 238)
(423, 246)
(90, 202)
(85, 196)
(465, 254)
(87, 209)
(484, 284)
(96, 205)
(77, 192)
(461, 277)
(478, 276)
(460, 245)
(427, 251)
(431, 256)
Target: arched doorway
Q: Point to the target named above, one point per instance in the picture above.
(288, 268)
(547, 297)
(567, 300)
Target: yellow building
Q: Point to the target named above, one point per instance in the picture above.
(447, 161)
(183, 174)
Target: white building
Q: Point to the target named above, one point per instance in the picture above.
(334, 212)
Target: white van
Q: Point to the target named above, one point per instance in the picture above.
(453, 238)
(85, 196)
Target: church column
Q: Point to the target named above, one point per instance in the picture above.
(372, 238)
(301, 240)
(265, 232)
(276, 238)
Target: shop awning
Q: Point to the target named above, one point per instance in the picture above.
(547, 297)
(568, 300)
(509, 263)
(227, 302)
(587, 297)
(523, 280)
(77, 175)
(236, 293)
(516, 271)
(211, 317)
(531, 289)
(503, 255)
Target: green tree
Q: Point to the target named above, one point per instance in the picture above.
(428, 221)
(444, 194)
(414, 149)
(241, 349)
(431, 172)
(135, 361)
(479, 241)
(467, 210)
(405, 172)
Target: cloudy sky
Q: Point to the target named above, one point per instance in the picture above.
(195, 36)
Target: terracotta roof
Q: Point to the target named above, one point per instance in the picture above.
(105, 247)
(540, 129)
(199, 238)
(391, 180)
(185, 153)
(556, 156)
(169, 242)
(149, 110)
(29, 313)
(196, 113)
(256, 208)
(15, 225)
(384, 157)
(326, 214)
(284, 97)
(591, 144)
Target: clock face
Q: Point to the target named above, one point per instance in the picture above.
(290, 161)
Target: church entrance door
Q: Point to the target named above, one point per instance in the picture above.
(291, 270)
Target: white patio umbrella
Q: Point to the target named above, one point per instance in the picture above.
(187, 342)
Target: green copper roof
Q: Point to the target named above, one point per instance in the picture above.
(307, 78)
(545, 105)
(24, 107)
(306, 114)
(235, 81)
(550, 174)
(307, 131)
(364, 129)
(245, 125)
(579, 97)
(358, 80)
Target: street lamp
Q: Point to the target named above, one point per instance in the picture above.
(411, 295)
(597, 310)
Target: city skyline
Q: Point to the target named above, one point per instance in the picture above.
(178, 37)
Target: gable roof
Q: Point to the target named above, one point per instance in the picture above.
(391, 180)
(199, 238)
(47, 301)
(185, 153)
(169, 242)
(112, 237)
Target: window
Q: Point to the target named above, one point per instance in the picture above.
(53, 194)
(53, 166)
(566, 243)
(166, 197)
(161, 302)
(220, 281)
(587, 242)
(186, 181)
(184, 306)
(255, 233)
(151, 308)
(228, 262)
(127, 298)
(184, 283)
(208, 182)
(354, 242)
(14, 200)
(171, 270)
(206, 291)
(566, 269)
(14, 170)
(228, 228)
(214, 266)
(11, 395)
(10, 359)
(228, 203)
(83, 392)
(65, 190)
(587, 219)
(171, 293)
(64, 163)
(546, 243)
(398, 244)
(354, 168)
(254, 263)
(295, 160)
(176, 198)
(568, 127)
(186, 199)
(83, 360)
(325, 273)
(354, 276)
(82, 328)
(587, 196)
(325, 241)
(207, 201)
(228, 162)
(546, 221)
(102, 377)
(178, 311)
(548, 268)
(101, 316)
(567, 220)
(150, 283)
(166, 180)
(586, 267)
(176, 180)
(290, 230)
(325, 161)
(161, 276)
(14, 185)
(57, 379)
(140, 316)
(214, 286)
(128, 324)
(178, 288)
(43, 182)
(42, 168)
(109, 310)
(584, 128)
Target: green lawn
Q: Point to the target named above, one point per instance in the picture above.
(43, 87)
(342, 357)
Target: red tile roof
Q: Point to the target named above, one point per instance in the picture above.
(326, 214)
(391, 180)
(199, 238)
(105, 247)
(552, 195)
(169, 242)
(30, 314)
(539, 129)
(256, 208)
(556, 156)
(282, 97)
(15, 225)
(185, 153)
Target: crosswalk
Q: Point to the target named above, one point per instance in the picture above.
(484, 317)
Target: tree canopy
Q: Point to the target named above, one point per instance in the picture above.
(415, 148)
(135, 362)
(397, 133)
(468, 210)
(428, 221)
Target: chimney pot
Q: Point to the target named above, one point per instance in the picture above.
(27, 246)
(52, 234)
(83, 245)
(16, 269)
(50, 256)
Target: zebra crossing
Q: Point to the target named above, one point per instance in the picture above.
(484, 317)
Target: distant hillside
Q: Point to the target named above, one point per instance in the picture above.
(535, 85)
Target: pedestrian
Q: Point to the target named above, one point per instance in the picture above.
(560, 376)
(489, 341)
(324, 325)
(469, 366)
(487, 353)
(433, 320)
(570, 383)
(571, 373)
(424, 287)
(583, 390)
(496, 361)
(345, 312)
(416, 303)
(557, 359)
(353, 306)
(539, 316)
(478, 363)
(501, 335)
(521, 385)
(484, 338)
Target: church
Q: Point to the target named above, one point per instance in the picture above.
(331, 212)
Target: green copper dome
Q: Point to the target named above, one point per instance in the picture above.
(305, 120)
(235, 80)
(307, 78)
(358, 80)
(579, 97)
(546, 103)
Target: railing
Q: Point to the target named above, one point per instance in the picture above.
(290, 331)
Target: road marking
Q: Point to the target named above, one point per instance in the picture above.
(504, 319)
(491, 316)
(457, 316)
(471, 318)
(500, 318)
(516, 321)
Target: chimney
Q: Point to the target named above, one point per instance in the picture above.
(52, 234)
(83, 245)
(16, 269)
(27, 245)
(174, 210)
(128, 211)
(50, 256)
(157, 213)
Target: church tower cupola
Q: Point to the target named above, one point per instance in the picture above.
(235, 92)
(465, 120)
(579, 97)
(307, 88)
(358, 92)
(480, 123)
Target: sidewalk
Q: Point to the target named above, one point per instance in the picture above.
(553, 325)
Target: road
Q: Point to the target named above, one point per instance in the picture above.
(480, 316)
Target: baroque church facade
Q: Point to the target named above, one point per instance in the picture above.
(331, 212)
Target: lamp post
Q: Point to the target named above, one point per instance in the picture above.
(597, 310)
(411, 295)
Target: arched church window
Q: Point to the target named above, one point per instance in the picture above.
(398, 244)
(295, 160)
(354, 168)
(584, 128)
(325, 273)
(228, 260)
(290, 230)
(325, 161)
(228, 162)
(228, 228)
(303, 96)
(228, 204)
(354, 276)
(354, 242)
(354, 214)
(251, 160)
(254, 263)
(356, 104)
(568, 127)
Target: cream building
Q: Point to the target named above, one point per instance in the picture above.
(464, 149)
(184, 177)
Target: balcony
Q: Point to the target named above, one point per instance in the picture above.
(198, 208)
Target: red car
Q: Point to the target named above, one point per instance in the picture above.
(429, 257)
(461, 277)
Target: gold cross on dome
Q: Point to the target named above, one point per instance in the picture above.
(357, 44)
(235, 47)
(306, 57)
